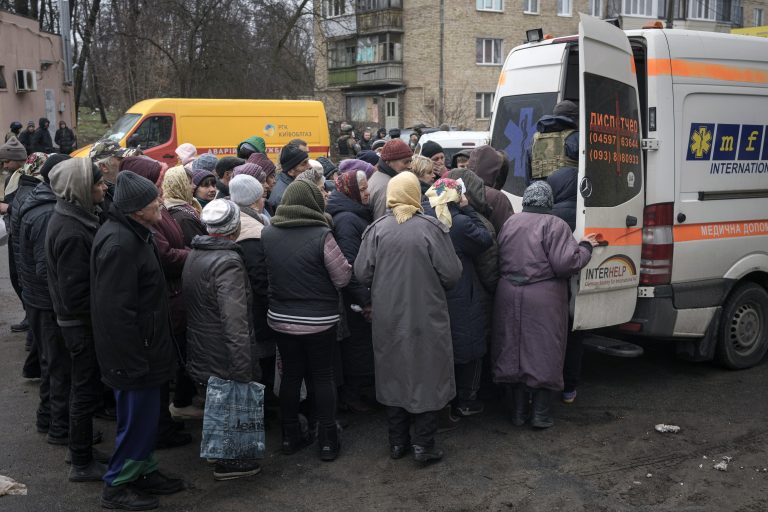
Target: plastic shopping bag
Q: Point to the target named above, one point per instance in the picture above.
(233, 424)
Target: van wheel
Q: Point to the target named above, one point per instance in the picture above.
(743, 337)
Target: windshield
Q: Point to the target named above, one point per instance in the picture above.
(121, 127)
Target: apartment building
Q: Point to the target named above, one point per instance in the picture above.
(396, 63)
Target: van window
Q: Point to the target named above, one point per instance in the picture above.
(613, 174)
(154, 131)
(513, 130)
(121, 127)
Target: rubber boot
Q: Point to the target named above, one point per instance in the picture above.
(542, 405)
(295, 439)
(519, 399)
(329, 442)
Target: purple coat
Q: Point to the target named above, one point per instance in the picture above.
(537, 255)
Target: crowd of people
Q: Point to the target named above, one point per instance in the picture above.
(389, 280)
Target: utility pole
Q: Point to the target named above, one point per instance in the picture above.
(441, 80)
(670, 13)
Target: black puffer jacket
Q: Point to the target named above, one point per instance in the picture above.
(129, 302)
(41, 139)
(564, 189)
(32, 264)
(26, 185)
(217, 293)
(350, 219)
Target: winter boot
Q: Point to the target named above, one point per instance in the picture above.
(295, 438)
(518, 397)
(425, 454)
(329, 442)
(542, 413)
(126, 497)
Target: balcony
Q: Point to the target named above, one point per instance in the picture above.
(387, 20)
(366, 74)
(339, 26)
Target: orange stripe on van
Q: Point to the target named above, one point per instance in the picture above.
(618, 236)
(718, 230)
(687, 68)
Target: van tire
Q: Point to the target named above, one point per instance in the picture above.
(743, 333)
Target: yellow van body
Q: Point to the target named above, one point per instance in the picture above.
(160, 125)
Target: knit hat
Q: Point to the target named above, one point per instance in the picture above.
(200, 175)
(205, 162)
(33, 164)
(251, 170)
(302, 205)
(132, 192)
(568, 109)
(538, 195)
(251, 145)
(443, 192)
(328, 167)
(221, 217)
(228, 163)
(13, 150)
(245, 190)
(264, 162)
(404, 196)
(431, 148)
(291, 156)
(186, 153)
(314, 164)
(359, 165)
(143, 166)
(54, 159)
(395, 149)
(379, 143)
(369, 156)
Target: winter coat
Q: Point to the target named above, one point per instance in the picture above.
(408, 267)
(129, 305)
(32, 263)
(564, 183)
(470, 239)
(537, 255)
(377, 188)
(217, 292)
(26, 185)
(68, 245)
(256, 265)
(487, 164)
(65, 139)
(41, 139)
(350, 220)
(189, 222)
(169, 240)
(548, 124)
(281, 183)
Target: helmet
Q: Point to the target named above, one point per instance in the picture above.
(16, 126)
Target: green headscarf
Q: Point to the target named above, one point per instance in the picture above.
(302, 205)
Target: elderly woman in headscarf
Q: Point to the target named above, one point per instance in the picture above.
(423, 168)
(183, 207)
(470, 238)
(537, 256)
(316, 177)
(348, 205)
(28, 178)
(408, 262)
(357, 165)
(257, 172)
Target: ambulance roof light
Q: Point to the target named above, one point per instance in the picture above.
(654, 25)
(534, 35)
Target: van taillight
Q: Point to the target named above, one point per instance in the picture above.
(656, 259)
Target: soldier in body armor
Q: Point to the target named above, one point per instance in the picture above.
(346, 143)
(556, 142)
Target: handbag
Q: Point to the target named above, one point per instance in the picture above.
(233, 423)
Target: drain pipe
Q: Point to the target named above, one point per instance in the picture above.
(441, 84)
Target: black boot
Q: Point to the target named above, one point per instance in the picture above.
(295, 438)
(126, 497)
(518, 397)
(91, 472)
(329, 443)
(542, 414)
(426, 453)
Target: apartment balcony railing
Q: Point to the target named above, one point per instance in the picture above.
(339, 26)
(388, 20)
(364, 74)
(377, 5)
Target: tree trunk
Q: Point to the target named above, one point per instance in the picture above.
(85, 51)
(21, 7)
(97, 95)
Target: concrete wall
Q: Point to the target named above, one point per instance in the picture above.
(25, 47)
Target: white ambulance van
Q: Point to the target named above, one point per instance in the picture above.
(673, 176)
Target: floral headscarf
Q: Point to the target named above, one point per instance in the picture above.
(348, 184)
(443, 192)
(34, 163)
(404, 196)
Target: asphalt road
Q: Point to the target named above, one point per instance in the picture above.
(602, 455)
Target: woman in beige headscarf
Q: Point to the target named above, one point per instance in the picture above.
(407, 259)
(183, 207)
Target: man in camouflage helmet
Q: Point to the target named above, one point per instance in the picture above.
(556, 142)
(107, 155)
(346, 143)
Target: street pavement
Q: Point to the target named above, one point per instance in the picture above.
(603, 454)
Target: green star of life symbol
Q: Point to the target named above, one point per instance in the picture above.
(701, 141)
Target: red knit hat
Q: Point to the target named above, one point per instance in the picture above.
(395, 149)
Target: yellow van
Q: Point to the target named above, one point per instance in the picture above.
(160, 125)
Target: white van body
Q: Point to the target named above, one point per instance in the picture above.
(455, 141)
(673, 176)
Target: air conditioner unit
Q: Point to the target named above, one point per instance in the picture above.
(26, 80)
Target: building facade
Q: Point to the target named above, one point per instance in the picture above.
(396, 63)
(32, 75)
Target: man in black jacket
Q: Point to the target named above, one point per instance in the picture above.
(76, 186)
(41, 139)
(134, 346)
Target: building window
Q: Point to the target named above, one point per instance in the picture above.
(596, 8)
(375, 5)
(702, 10)
(357, 109)
(646, 8)
(380, 48)
(333, 8)
(757, 17)
(564, 7)
(738, 16)
(490, 5)
(483, 105)
(341, 54)
(531, 6)
(3, 83)
(488, 51)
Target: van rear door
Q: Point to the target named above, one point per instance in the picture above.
(610, 200)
